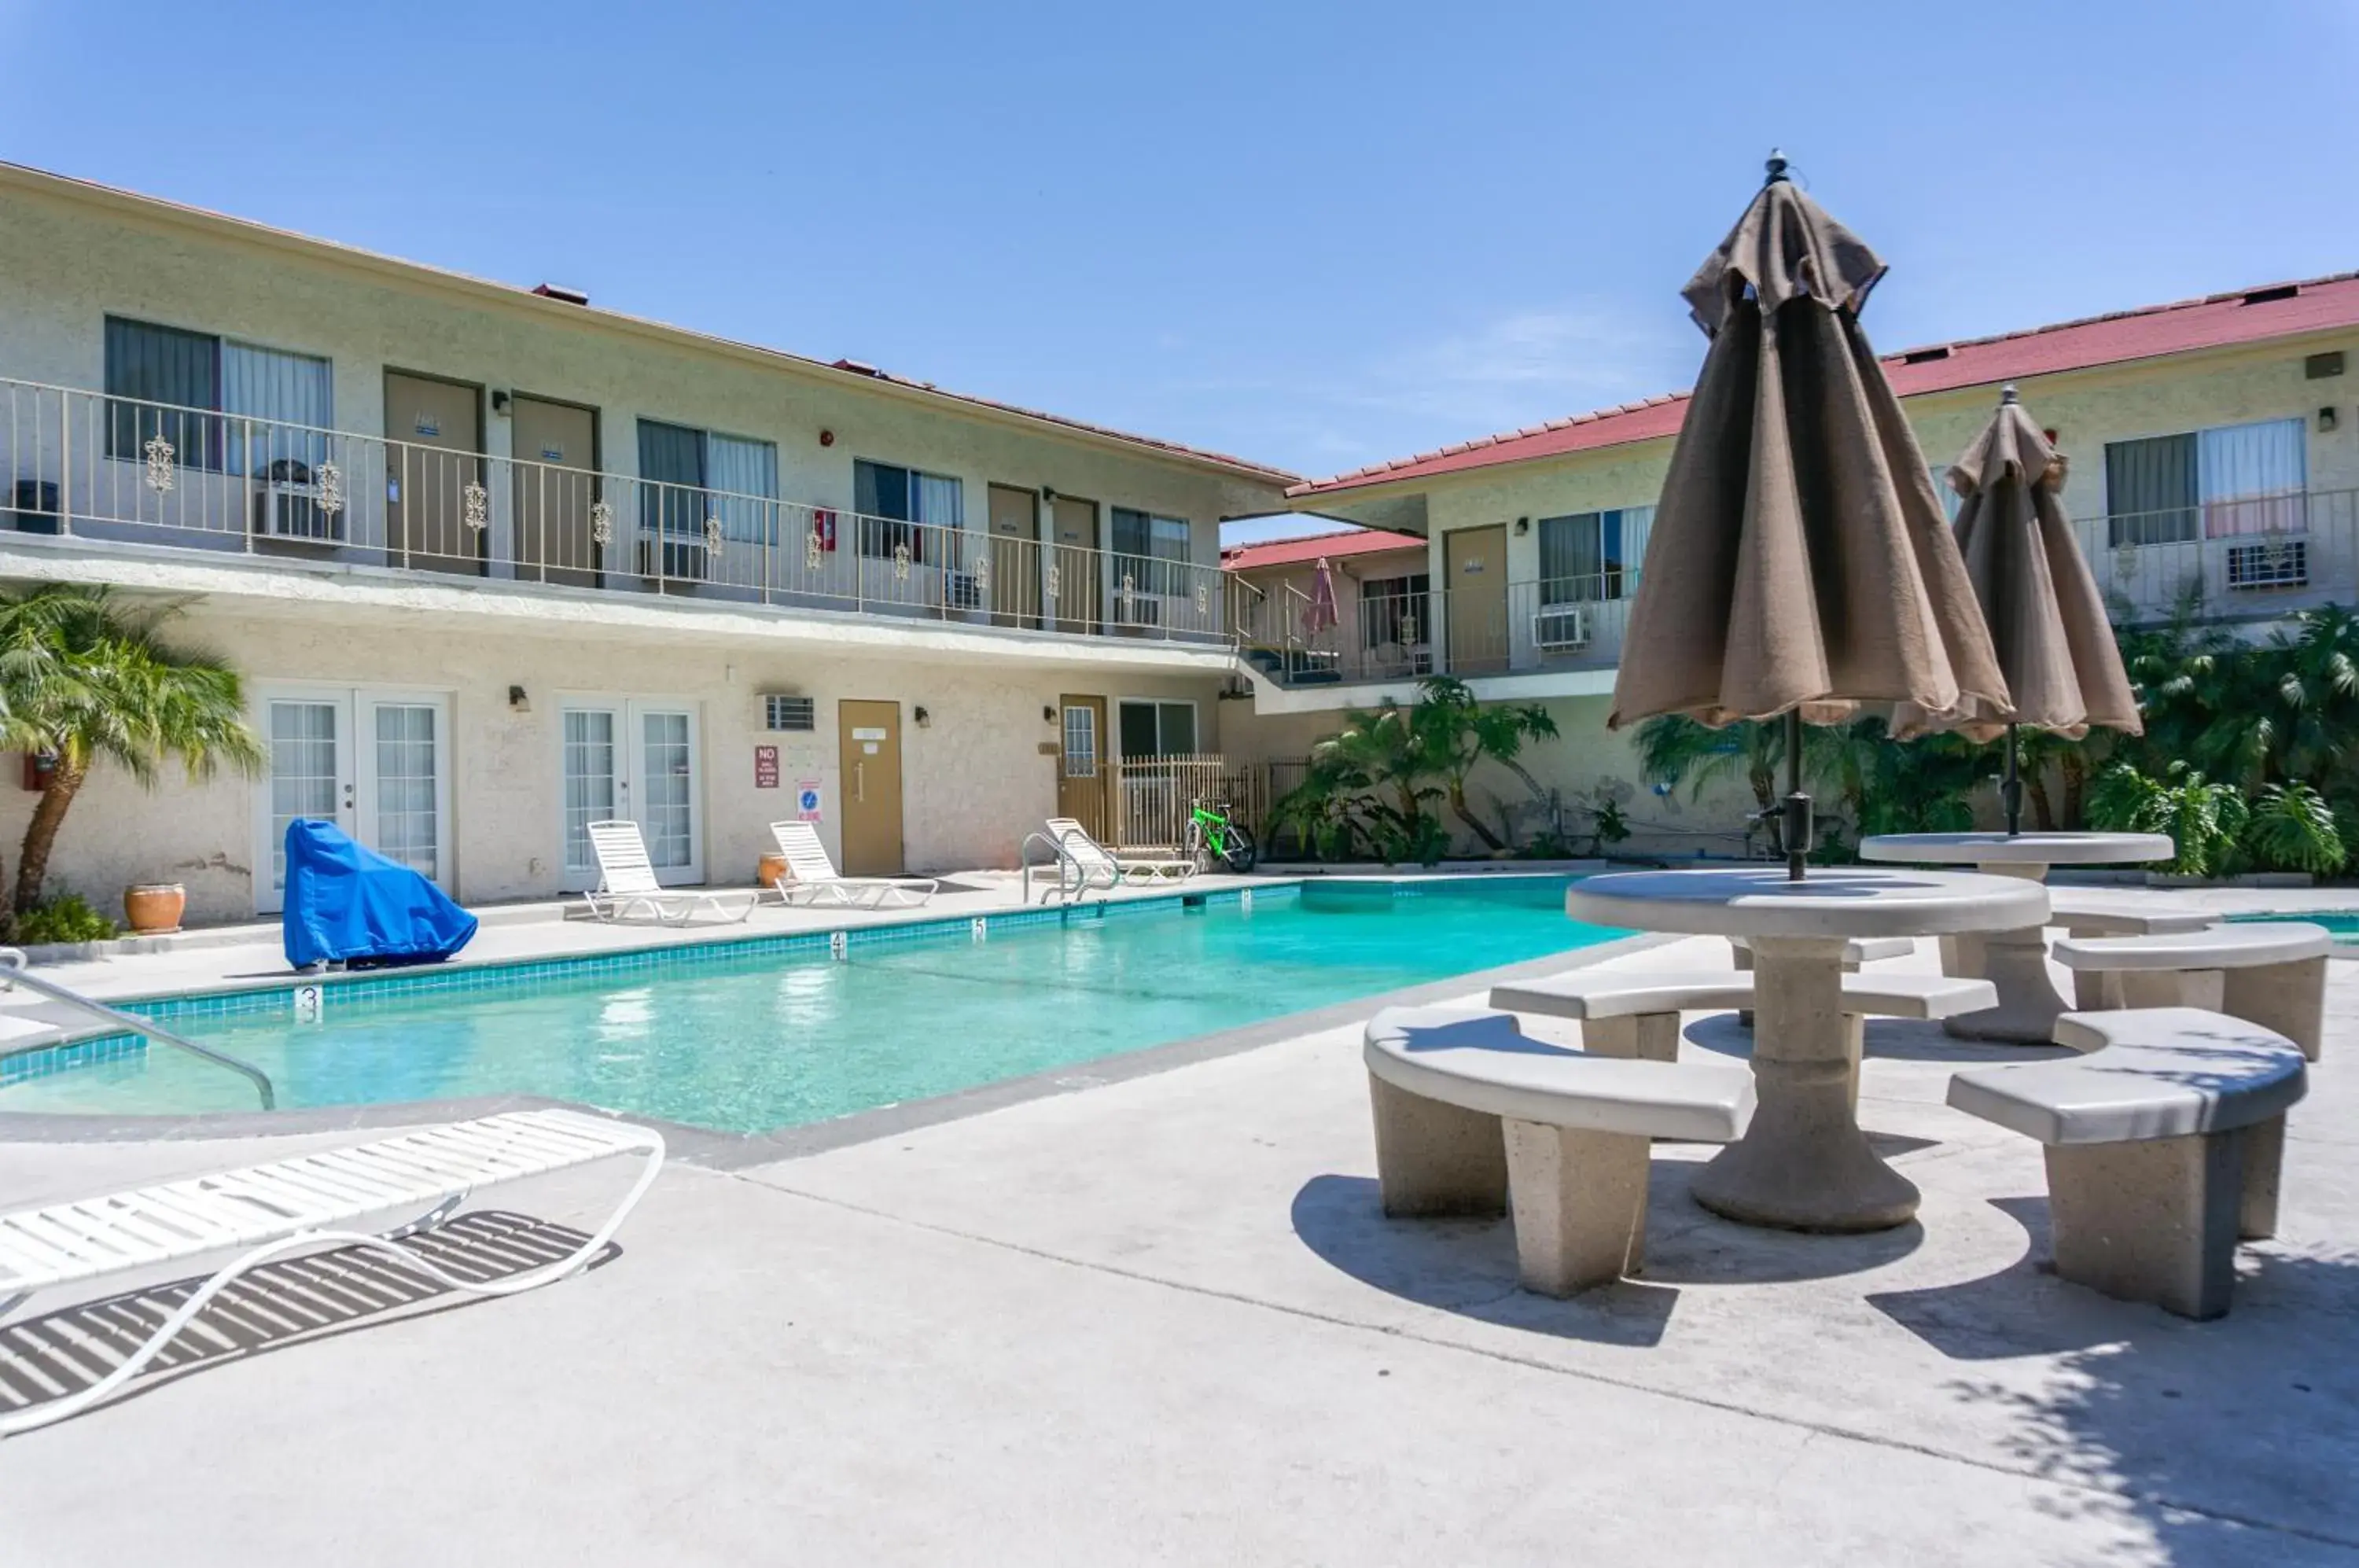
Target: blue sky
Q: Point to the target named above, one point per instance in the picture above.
(1315, 235)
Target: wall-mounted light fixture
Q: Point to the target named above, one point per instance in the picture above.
(1523, 526)
(1047, 494)
(1047, 715)
(827, 437)
(518, 701)
(2328, 418)
(923, 717)
(499, 401)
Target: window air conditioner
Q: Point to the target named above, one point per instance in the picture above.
(2282, 564)
(680, 559)
(960, 591)
(1560, 629)
(1135, 609)
(286, 510)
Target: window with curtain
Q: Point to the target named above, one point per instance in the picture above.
(191, 378)
(1151, 550)
(743, 476)
(890, 498)
(170, 384)
(1158, 729)
(1593, 555)
(1394, 610)
(2209, 484)
(671, 471)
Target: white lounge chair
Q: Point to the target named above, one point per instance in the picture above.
(813, 879)
(627, 881)
(309, 1201)
(1090, 865)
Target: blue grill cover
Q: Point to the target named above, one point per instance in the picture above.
(347, 902)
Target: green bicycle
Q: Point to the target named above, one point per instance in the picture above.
(1217, 841)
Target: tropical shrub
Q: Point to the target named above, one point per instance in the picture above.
(2293, 828)
(63, 916)
(2204, 820)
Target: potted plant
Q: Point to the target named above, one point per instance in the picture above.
(153, 908)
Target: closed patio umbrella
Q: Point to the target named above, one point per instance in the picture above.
(1321, 613)
(1800, 565)
(2046, 621)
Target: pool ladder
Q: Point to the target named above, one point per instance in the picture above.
(15, 972)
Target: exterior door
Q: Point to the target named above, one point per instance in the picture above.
(434, 478)
(632, 760)
(1477, 604)
(376, 763)
(1075, 594)
(869, 738)
(1015, 557)
(555, 486)
(1082, 764)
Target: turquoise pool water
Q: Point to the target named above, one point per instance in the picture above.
(744, 1041)
(2340, 924)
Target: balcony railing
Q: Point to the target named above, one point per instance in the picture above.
(2241, 560)
(1564, 623)
(117, 469)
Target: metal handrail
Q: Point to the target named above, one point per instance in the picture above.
(12, 961)
(1065, 863)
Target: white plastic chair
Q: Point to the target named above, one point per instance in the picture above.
(627, 881)
(1084, 863)
(812, 879)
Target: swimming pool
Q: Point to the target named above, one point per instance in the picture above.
(745, 1037)
(2342, 925)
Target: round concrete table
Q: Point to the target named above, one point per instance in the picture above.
(2016, 962)
(1804, 1164)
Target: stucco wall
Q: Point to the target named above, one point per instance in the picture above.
(66, 264)
(974, 779)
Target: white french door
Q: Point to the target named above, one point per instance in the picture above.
(376, 764)
(634, 760)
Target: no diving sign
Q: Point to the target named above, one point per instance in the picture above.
(807, 800)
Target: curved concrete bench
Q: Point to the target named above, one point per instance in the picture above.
(2163, 1145)
(2082, 914)
(1474, 1116)
(2271, 973)
(1627, 1014)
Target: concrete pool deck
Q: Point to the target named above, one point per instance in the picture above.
(1161, 1320)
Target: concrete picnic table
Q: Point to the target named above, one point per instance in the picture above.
(2016, 962)
(1804, 1164)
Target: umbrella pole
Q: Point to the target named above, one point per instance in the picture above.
(2010, 788)
(1798, 805)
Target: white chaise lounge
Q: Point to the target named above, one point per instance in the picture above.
(626, 882)
(812, 879)
(1084, 864)
(2164, 1145)
(309, 1201)
(1474, 1117)
(2271, 973)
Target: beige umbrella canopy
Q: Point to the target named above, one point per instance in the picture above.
(1799, 564)
(2047, 620)
(1800, 556)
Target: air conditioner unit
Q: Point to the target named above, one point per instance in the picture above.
(1562, 629)
(1137, 609)
(284, 510)
(2282, 564)
(680, 559)
(960, 591)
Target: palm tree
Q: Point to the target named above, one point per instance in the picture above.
(82, 680)
(1672, 747)
(1458, 733)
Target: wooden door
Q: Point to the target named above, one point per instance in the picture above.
(1015, 557)
(434, 473)
(555, 484)
(1477, 604)
(1082, 764)
(1073, 558)
(869, 747)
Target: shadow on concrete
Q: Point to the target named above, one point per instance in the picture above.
(1897, 1040)
(2233, 1441)
(295, 1299)
(1467, 1266)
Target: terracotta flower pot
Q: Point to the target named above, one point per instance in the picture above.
(153, 908)
(767, 871)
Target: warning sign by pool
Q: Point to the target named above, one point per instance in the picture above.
(807, 800)
(766, 768)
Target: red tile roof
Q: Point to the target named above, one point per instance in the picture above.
(1295, 551)
(2215, 321)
